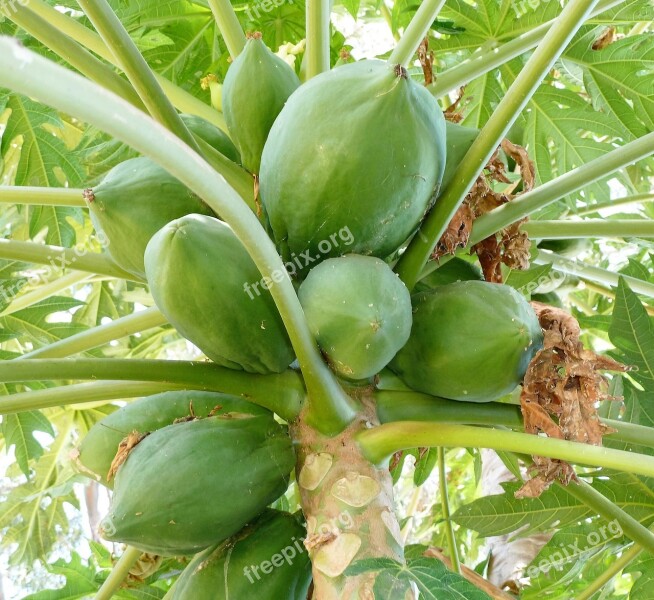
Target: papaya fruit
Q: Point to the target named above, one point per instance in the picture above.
(266, 560)
(359, 150)
(193, 484)
(359, 311)
(98, 448)
(455, 269)
(569, 247)
(204, 281)
(459, 140)
(256, 87)
(470, 341)
(134, 200)
(214, 136)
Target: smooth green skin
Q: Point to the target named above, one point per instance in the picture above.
(455, 269)
(356, 149)
(133, 201)
(99, 446)
(359, 311)
(190, 485)
(197, 270)
(225, 572)
(459, 140)
(257, 85)
(470, 341)
(214, 136)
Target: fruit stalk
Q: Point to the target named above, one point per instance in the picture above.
(118, 573)
(41, 196)
(348, 504)
(229, 26)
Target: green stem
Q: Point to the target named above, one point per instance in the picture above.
(560, 187)
(447, 517)
(507, 111)
(318, 37)
(133, 64)
(611, 512)
(45, 291)
(42, 196)
(626, 201)
(98, 336)
(415, 32)
(610, 572)
(229, 26)
(119, 573)
(383, 441)
(283, 392)
(62, 258)
(73, 53)
(486, 59)
(602, 276)
(589, 228)
(182, 99)
(330, 408)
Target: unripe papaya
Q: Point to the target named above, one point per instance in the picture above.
(256, 87)
(134, 200)
(455, 269)
(266, 560)
(213, 135)
(459, 140)
(359, 311)
(470, 341)
(193, 484)
(99, 446)
(204, 281)
(568, 247)
(360, 149)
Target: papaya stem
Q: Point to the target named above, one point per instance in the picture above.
(57, 258)
(447, 517)
(589, 228)
(486, 59)
(73, 53)
(415, 32)
(229, 26)
(138, 71)
(522, 89)
(98, 336)
(42, 196)
(380, 443)
(119, 573)
(318, 37)
(330, 408)
(283, 392)
(591, 209)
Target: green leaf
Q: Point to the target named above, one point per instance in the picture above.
(18, 431)
(528, 280)
(80, 581)
(642, 588)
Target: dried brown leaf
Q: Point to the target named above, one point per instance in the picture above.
(124, 448)
(426, 58)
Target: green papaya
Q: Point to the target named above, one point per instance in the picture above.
(134, 200)
(204, 281)
(99, 446)
(359, 311)
(455, 269)
(358, 150)
(568, 247)
(193, 484)
(470, 341)
(266, 560)
(459, 140)
(256, 87)
(213, 135)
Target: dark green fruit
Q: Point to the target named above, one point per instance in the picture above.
(570, 248)
(357, 150)
(469, 341)
(359, 311)
(204, 281)
(459, 140)
(99, 446)
(266, 560)
(134, 200)
(194, 484)
(213, 135)
(257, 85)
(455, 269)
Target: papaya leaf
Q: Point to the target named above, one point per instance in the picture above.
(528, 280)
(18, 431)
(642, 588)
(81, 581)
(632, 332)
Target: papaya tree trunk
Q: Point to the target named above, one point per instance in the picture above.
(349, 507)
